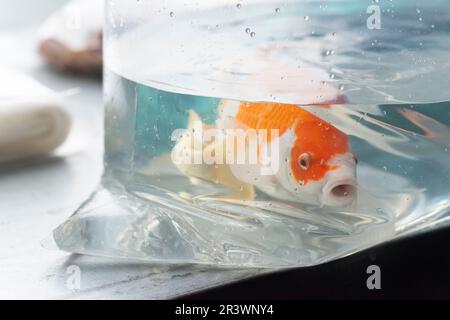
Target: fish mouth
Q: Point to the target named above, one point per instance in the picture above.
(340, 193)
(343, 190)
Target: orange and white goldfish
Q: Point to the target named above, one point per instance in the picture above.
(314, 163)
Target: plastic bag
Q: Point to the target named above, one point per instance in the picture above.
(356, 159)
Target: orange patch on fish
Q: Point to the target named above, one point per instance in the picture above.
(314, 136)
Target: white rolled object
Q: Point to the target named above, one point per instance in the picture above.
(32, 123)
(31, 129)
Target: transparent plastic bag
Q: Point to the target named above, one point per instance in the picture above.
(360, 113)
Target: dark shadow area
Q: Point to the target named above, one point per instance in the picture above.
(411, 268)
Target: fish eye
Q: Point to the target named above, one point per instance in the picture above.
(304, 161)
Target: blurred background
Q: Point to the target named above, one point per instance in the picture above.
(37, 195)
(25, 12)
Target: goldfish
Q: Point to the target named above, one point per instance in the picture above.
(313, 160)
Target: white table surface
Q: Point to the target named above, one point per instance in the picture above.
(36, 197)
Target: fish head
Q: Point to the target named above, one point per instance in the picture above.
(321, 166)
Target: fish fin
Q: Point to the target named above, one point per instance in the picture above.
(217, 173)
(194, 119)
(228, 110)
(239, 190)
(188, 146)
(221, 174)
(188, 140)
